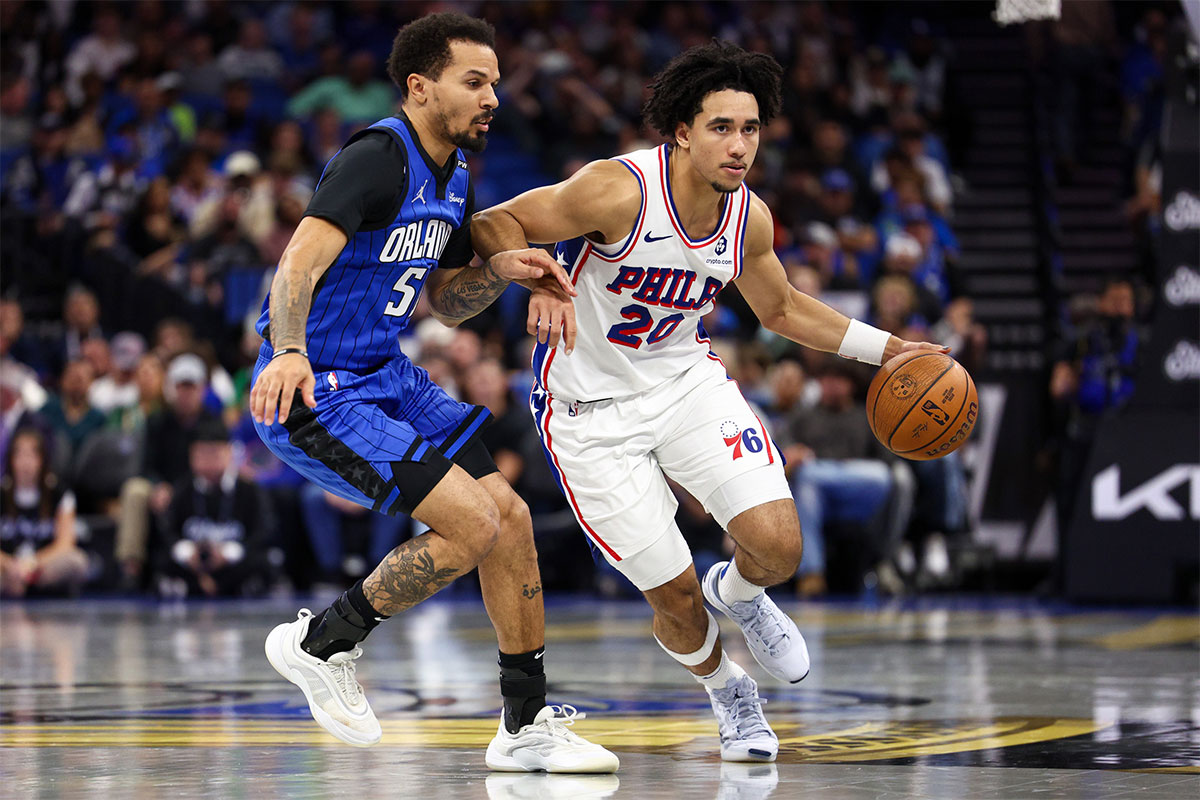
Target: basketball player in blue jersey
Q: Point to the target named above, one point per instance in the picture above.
(390, 218)
(636, 395)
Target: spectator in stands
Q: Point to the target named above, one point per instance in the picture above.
(18, 348)
(119, 389)
(41, 180)
(507, 437)
(903, 256)
(103, 52)
(198, 66)
(856, 237)
(38, 549)
(910, 149)
(21, 396)
(327, 517)
(894, 306)
(928, 67)
(148, 377)
(218, 525)
(358, 97)
(69, 413)
(823, 251)
(198, 185)
(164, 458)
(251, 57)
(837, 471)
(101, 198)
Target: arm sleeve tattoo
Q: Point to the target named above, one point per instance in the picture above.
(291, 300)
(468, 292)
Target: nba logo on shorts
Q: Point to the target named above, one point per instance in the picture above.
(333, 382)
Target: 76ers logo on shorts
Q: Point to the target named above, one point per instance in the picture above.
(737, 438)
(333, 382)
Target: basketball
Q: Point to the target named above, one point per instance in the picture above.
(922, 405)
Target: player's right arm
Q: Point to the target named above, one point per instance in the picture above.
(600, 201)
(312, 249)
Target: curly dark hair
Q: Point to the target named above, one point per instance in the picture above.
(422, 46)
(679, 90)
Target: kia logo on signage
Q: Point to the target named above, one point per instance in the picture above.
(1154, 495)
(1183, 362)
(1183, 287)
(1183, 213)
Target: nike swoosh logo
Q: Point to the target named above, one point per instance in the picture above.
(540, 653)
(648, 238)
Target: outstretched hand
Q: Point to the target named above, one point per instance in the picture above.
(277, 385)
(530, 264)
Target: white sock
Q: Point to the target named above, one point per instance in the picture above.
(727, 671)
(733, 588)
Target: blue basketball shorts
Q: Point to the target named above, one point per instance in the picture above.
(383, 438)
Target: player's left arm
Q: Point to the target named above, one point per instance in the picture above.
(457, 293)
(784, 310)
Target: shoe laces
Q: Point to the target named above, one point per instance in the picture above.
(763, 623)
(341, 667)
(744, 710)
(559, 725)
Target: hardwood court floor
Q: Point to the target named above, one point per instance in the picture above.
(937, 698)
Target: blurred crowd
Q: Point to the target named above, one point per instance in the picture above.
(155, 158)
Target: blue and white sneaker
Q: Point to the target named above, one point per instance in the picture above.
(773, 638)
(745, 734)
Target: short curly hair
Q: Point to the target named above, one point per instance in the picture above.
(422, 47)
(678, 92)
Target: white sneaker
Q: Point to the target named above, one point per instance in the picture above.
(547, 745)
(540, 786)
(745, 734)
(747, 781)
(334, 696)
(773, 638)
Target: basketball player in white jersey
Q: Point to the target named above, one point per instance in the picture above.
(649, 239)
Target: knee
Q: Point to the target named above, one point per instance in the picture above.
(785, 554)
(481, 527)
(682, 604)
(515, 519)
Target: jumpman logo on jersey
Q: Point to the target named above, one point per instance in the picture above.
(420, 195)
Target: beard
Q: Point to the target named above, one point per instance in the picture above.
(466, 139)
(725, 189)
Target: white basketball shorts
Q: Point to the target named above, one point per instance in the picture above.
(612, 457)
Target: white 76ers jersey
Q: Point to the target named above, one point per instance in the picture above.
(640, 301)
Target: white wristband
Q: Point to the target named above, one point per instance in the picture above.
(864, 343)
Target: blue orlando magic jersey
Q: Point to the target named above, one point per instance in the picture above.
(366, 297)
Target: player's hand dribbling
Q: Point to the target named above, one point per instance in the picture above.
(896, 346)
(551, 315)
(530, 264)
(277, 385)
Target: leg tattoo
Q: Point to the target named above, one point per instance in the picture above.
(406, 577)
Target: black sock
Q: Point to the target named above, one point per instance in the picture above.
(523, 686)
(341, 626)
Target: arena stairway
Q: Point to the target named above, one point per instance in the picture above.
(995, 213)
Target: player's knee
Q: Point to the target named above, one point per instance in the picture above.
(481, 528)
(791, 550)
(680, 603)
(515, 519)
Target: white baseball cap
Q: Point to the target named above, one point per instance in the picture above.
(187, 368)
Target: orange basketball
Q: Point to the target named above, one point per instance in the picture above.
(922, 405)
